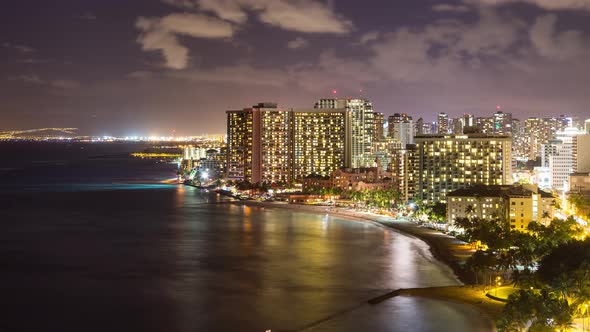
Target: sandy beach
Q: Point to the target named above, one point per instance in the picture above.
(444, 247)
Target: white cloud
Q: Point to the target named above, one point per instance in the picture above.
(549, 43)
(86, 17)
(309, 16)
(457, 63)
(298, 43)
(33, 79)
(369, 37)
(187, 4)
(140, 75)
(33, 61)
(491, 35)
(57, 83)
(20, 48)
(546, 4)
(448, 8)
(160, 34)
(240, 74)
(229, 10)
(333, 71)
(195, 25)
(443, 48)
(64, 84)
(304, 16)
(404, 56)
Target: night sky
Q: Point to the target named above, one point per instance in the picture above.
(143, 67)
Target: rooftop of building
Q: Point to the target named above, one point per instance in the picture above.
(462, 136)
(496, 191)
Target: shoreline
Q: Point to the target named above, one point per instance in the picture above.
(446, 249)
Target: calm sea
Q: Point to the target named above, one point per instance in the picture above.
(91, 241)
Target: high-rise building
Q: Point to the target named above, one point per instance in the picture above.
(548, 149)
(517, 127)
(502, 123)
(269, 144)
(457, 126)
(587, 126)
(485, 124)
(362, 126)
(460, 124)
(451, 162)
(419, 127)
(401, 128)
(468, 120)
(240, 141)
(321, 141)
(258, 141)
(581, 153)
(379, 124)
(392, 120)
(404, 132)
(520, 146)
(539, 131)
(442, 123)
(404, 163)
(560, 157)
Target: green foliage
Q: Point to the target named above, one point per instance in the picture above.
(377, 198)
(555, 234)
(542, 310)
(504, 249)
(438, 212)
(565, 295)
(493, 233)
(244, 185)
(581, 203)
(564, 260)
(481, 260)
(434, 212)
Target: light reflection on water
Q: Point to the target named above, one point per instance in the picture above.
(171, 260)
(76, 187)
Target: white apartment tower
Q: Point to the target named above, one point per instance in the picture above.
(442, 123)
(362, 125)
(559, 155)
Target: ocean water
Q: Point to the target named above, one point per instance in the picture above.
(91, 241)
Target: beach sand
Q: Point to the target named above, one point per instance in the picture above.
(444, 247)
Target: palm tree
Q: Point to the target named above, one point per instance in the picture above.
(469, 210)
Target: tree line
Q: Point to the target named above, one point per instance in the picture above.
(550, 264)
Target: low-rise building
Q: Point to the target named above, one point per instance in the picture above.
(354, 179)
(579, 195)
(518, 204)
(579, 183)
(371, 177)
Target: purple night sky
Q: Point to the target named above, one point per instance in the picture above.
(139, 67)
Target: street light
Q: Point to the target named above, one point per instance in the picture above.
(498, 284)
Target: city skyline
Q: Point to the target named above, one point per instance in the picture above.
(158, 66)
